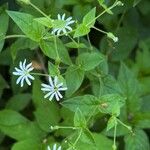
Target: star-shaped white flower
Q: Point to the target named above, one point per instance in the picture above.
(62, 25)
(53, 89)
(54, 147)
(24, 73)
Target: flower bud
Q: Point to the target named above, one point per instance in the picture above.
(111, 36)
(119, 3)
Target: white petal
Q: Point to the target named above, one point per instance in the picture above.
(59, 17)
(54, 147)
(18, 70)
(59, 85)
(19, 79)
(51, 97)
(56, 96)
(55, 80)
(51, 82)
(28, 66)
(69, 28)
(62, 89)
(24, 64)
(48, 148)
(48, 94)
(63, 17)
(59, 148)
(64, 31)
(31, 77)
(68, 19)
(22, 81)
(46, 86)
(27, 80)
(30, 69)
(17, 73)
(59, 94)
(46, 89)
(21, 66)
(70, 22)
(58, 32)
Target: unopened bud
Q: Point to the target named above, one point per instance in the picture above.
(111, 36)
(119, 3)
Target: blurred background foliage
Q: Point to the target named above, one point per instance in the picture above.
(25, 118)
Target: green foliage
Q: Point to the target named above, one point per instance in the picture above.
(27, 24)
(135, 142)
(97, 53)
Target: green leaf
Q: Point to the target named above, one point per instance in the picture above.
(20, 44)
(18, 102)
(47, 115)
(137, 141)
(75, 45)
(79, 119)
(3, 27)
(87, 137)
(130, 88)
(111, 103)
(105, 144)
(73, 72)
(89, 61)
(47, 22)
(49, 49)
(81, 30)
(86, 103)
(37, 94)
(52, 69)
(22, 131)
(10, 118)
(112, 122)
(29, 144)
(28, 25)
(89, 18)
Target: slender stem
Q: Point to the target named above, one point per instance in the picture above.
(39, 74)
(111, 7)
(80, 133)
(63, 127)
(55, 42)
(14, 36)
(115, 131)
(91, 48)
(99, 30)
(73, 40)
(126, 126)
(36, 8)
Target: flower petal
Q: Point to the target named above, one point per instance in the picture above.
(59, 94)
(48, 94)
(19, 79)
(63, 16)
(62, 89)
(56, 96)
(50, 81)
(51, 97)
(27, 80)
(54, 147)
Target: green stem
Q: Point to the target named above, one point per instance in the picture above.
(36, 8)
(115, 131)
(80, 133)
(111, 7)
(39, 74)
(99, 30)
(126, 126)
(91, 48)
(73, 40)
(63, 127)
(14, 36)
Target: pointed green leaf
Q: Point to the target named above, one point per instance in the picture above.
(27, 24)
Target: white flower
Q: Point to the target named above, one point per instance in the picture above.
(62, 25)
(53, 89)
(54, 147)
(24, 73)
